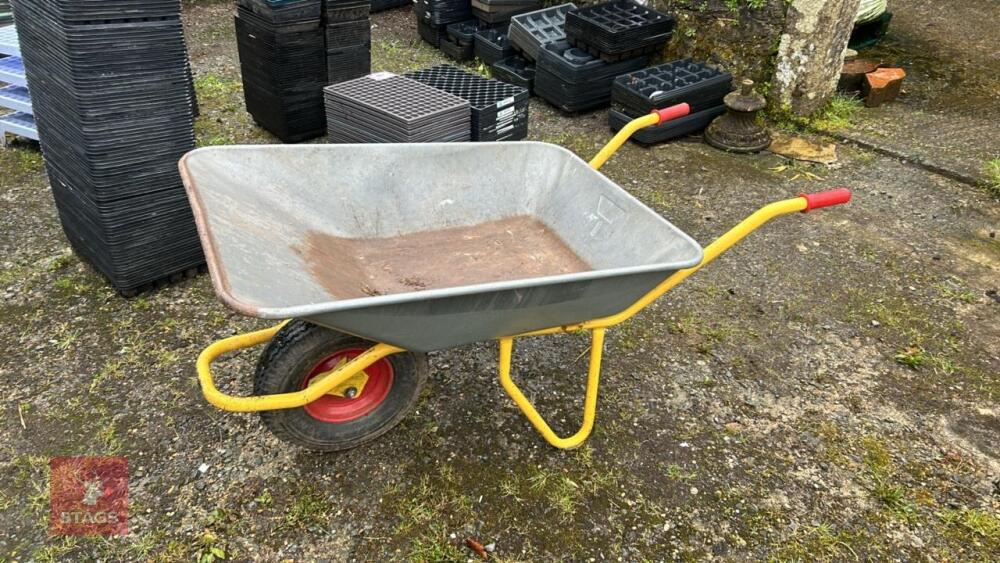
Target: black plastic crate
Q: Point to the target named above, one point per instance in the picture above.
(430, 33)
(619, 29)
(697, 84)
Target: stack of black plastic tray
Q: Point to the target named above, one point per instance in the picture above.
(111, 96)
(619, 29)
(461, 39)
(386, 108)
(348, 39)
(515, 70)
(573, 80)
(492, 12)
(499, 110)
(683, 81)
(433, 17)
(282, 49)
(492, 45)
(382, 5)
(530, 32)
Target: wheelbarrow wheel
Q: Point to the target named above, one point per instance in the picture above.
(302, 351)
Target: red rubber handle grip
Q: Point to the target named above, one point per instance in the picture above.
(817, 200)
(672, 112)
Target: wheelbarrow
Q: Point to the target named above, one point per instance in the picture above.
(379, 253)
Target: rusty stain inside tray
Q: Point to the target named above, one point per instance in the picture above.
(507, 249)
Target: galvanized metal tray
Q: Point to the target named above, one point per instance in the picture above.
(305, 232)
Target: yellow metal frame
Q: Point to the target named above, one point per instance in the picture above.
(332, 381)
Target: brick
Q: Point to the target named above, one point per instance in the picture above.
(882, 85)
(853, 74)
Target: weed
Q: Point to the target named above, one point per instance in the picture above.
(912, 357)
(973, 526)
(309, 508)
(992, 170)
(678, 473)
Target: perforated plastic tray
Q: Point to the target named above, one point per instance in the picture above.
(12, 71)
(697, 84)
(384, 107)
(619, 26)
(15, 98)
(19, 123)
(530, 32)
(482, 93)
(8, 41)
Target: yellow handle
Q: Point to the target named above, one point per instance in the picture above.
(623, 135)
(319, 387)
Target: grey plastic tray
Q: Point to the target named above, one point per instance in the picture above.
(260, 211)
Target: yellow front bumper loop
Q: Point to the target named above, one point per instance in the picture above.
(319, 387)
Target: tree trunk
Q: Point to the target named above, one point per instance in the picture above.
(811, 53)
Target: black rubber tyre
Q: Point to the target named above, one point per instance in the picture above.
(287, 361)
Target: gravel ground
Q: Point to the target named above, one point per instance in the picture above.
(827, 390)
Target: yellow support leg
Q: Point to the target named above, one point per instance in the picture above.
(589, 402)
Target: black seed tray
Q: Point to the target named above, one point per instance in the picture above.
(335, 11)
(570, 64)
(687, 125)
(284, 11)
(383, 107)
(619, 26)
(463, 33)
(348, 64)
(348, 34)
(430, 33)
(575, 81)
(460, 53)
(515, 70)
(666, 84)
(84, 11)
(442, 12)
(492, 45)
(492, 12)
(382, 5)
(493, 103)
(530, 32)
(630, 54)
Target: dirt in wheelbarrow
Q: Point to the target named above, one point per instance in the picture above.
(825, 391)
(519, 247)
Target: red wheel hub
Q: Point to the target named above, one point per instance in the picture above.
(331, 408)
